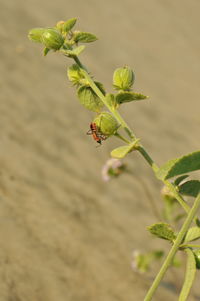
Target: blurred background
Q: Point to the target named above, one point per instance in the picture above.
(65, 234)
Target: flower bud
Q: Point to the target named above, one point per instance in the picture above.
(123, 78)
(75, 75)
(35, 34)
(167, 194)
(52, 39)
(112, 169)
(106, 123)
(89, 99)
(59, 25)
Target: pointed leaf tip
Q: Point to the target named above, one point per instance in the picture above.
(69, 24)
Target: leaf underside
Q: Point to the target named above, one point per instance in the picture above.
(179, 166)
(192, 234)
(190, 188)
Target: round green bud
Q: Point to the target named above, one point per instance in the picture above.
(89, 99)
(35, 34)
(75, 75)
(197, 257)
(106, 123)
(123, 78)
(52, 39)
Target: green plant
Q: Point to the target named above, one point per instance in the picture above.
(106, 124)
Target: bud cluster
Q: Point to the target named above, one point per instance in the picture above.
(49, 37)
(61, 37)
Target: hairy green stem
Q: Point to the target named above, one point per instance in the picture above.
(177, 243)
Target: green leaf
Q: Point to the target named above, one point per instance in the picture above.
(180, 179)
(190, 188)
(192, 234)
(121, 151)
(69, 24)
(122, 97)
(84, 37)
(189, 275)
(46, 50)
(162, 230)
(75, 52)
(89, 99)
(175, 167)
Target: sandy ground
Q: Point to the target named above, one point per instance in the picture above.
(64, 233)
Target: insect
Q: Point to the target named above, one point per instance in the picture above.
(96, 133)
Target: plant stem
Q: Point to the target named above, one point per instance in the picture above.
(189, 246)
(79, 63)
(130, 133)
(122, 138)
(146, 156)
(174, 249)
